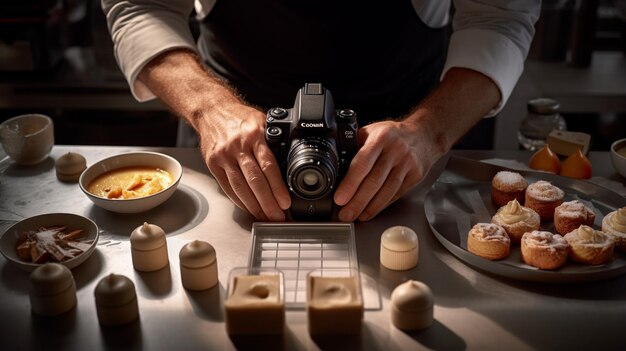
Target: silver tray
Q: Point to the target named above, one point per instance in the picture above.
(461, 197)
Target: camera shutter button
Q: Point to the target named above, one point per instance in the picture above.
(274, 132)
(278, 112)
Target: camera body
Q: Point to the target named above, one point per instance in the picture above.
(313, 144)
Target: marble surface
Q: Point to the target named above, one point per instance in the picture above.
(473, 310)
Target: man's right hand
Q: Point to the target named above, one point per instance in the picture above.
(232, 140)
(232, 134)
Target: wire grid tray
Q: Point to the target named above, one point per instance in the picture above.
(299, 248)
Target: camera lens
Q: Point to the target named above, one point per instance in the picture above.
(310, 178)
(312, 168)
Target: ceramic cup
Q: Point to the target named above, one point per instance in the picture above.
(27, 139)
(618, 156)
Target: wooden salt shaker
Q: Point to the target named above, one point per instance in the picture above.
(52, 289)
(148, 248)
(70, 166)
(412, 306)
(198, 265)
(116, 300)
(399, 248)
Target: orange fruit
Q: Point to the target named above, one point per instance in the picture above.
(577, 166)
(545, 160)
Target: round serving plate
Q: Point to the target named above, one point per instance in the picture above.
(461, 197)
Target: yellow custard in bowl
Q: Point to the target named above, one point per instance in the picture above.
(130, 182)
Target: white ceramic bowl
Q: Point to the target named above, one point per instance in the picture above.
(132, 159)
(619, 160)
(27, 139)
(8, 242)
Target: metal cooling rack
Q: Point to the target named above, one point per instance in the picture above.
(299, 248)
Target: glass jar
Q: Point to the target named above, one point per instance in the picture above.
(542, 118)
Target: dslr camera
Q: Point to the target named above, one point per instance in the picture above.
(313, 144)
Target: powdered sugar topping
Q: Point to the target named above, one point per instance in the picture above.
(545, 191)
(544, 239)
(489, 232)
(572, 209)
(509, 181)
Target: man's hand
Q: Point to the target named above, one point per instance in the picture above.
(232, 140)
(390, 161)
(232, 134)
(396, 155)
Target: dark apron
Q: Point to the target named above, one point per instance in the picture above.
(376, 57)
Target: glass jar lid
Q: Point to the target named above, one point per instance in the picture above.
(543, 106)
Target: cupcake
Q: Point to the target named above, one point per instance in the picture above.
(543, 198)
(506, 186)
(589, 246)
(614, 224)
(544, 250)
(572, 214)
(516, 220)
(489, 241)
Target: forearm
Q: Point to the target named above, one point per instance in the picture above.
(189, 89)
(396, 155)
(143, 29)
(231, 133)
(460, 101)
(493, 37)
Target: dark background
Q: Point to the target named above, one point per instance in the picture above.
(56, 58)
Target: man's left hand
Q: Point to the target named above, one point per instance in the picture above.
(386, 166)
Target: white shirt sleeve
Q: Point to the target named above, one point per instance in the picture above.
(142, 29)
(493, 37)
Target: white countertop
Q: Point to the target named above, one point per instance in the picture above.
(473, 310)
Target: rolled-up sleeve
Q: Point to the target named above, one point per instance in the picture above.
(142, 29)
(493, 38)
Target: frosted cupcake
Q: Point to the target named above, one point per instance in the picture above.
(572, 214)
(506, 186)
(589, 246)
(543, 198)
(516, 220)
(614, 224)
(489, 241)
(544, 250)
